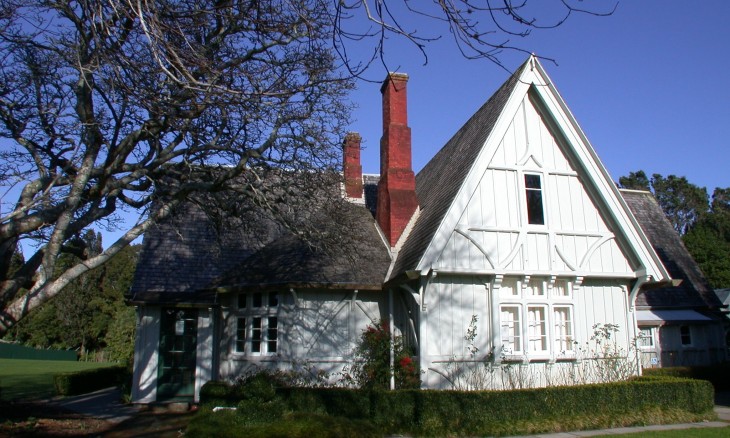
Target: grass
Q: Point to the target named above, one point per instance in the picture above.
(698, 432)
(33, 379)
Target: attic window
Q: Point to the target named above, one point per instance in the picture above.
(533, 192)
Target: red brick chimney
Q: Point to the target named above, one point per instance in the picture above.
(397, 187)
(351, 165)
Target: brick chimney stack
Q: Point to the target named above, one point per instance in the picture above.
(351, 165)
(397, 187)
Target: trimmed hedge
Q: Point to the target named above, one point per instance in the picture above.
(718, 375)
(480, 412)
(83, 382)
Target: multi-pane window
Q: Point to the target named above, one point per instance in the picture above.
(685, 334)
(241, 335)
(533, 194)
(534, 323)
(563, 333)
(257, 326)
(646, 337)
(536, 329)
(511, 329)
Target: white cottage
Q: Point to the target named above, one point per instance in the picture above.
(510, 260)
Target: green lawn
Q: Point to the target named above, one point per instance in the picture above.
(32, 379)
(703, 432)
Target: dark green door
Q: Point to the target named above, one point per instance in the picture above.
(178, 340)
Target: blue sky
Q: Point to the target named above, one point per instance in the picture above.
(646, 84)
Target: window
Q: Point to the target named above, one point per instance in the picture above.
(563, 321)
(646, 337)
(257, 326)
(536, 330)
(241, 335)
(533, 192)
(511, 329)
(685, 334)
(534, 324)
(561, 289)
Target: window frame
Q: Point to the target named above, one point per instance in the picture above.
(540, 340)
(685, 336)
(259, 313)
(534, 195)
(651, 337)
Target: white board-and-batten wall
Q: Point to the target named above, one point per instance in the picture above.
(496, 266)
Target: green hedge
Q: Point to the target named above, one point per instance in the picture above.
(83, 382)
(718, 375)
(479, 412)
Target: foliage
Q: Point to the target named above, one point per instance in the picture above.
(109, 106)
(709, 241)
(635, 181)
(83, 382)
(600, 359)
(718, 374)
(683, 203)
(230, 424)
(371, 367)
(704, 225)
(490, 413)
(90, 314)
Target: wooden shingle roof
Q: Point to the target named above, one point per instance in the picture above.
(187, 257)
(694, 291)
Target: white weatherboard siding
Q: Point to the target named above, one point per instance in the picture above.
(146, 354)
(204, 351)
(454, 300)
(315, 328)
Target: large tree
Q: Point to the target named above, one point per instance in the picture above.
(703, 225)
(708, 240)
(683, 202)
(103, 101)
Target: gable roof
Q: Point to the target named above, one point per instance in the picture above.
(694, 291)
(457, 166)
(440, 180)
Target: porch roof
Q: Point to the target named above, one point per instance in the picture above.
(670, 317)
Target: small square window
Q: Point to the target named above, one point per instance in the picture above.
(258, 300)
(561, 289)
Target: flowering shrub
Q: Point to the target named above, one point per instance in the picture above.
(371, 368)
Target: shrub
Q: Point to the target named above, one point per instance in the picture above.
(718, 374)
(371, 368)
(82, 382)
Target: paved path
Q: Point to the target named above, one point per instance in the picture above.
(105, 404)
